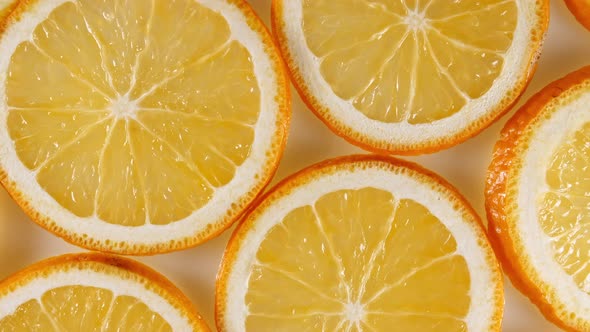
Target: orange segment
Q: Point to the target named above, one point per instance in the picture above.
(223, 81)
(118, 199)
(32, 69)
(472, 69)
(389, 105)
(63, 37)
(215, 150)
(182, 34)
(485, 28)
(444, 97)
(175, 187)
(296, 268)
(343, 212)
(119, 28)
(326, 33)
(33, 131)
(129, 313)
(62, 303)
(70, 176)
(28, 316)
(350, 69)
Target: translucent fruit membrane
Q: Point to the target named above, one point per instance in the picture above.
(564, 211)
(133, 111)
(80, 308)
(359, 260)
(416, 61)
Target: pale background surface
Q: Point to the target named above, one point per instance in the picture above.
(567, 48)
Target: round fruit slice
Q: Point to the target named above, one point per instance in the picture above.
(538, 200)
(94, 292)
(409, 76)
(581, 10)
(360, 243)
(139, 126)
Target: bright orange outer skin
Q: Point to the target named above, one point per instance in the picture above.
(8, 9)
(505, 162)
(581, 10)
(93, 261)
(444, 142)
(327, 167)
(241, 205)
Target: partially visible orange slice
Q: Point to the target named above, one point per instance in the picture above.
(94, 292)
(581, 10)
(538, 200)
(409, 76)
(139, 126)
(361, 243)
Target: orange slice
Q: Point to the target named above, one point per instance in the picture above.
(94, 292)
(409, 76)
(360, 243)
(538, 200)
(139, 126)
(581, 10)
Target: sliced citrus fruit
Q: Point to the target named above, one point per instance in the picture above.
(361, 243)
(581, 10)
(538, 200)
(94, 292)
(139, 126)
(407, 76)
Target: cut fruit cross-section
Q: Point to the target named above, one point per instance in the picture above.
(405, 76)
(94, 292)
(139, 126)
(360, 243)
(538, 200)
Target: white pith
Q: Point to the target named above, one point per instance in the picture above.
(415, 21)
(123, 107)
(484, 280)
(516, 69)
(86, 277)
(244, 180)
(546, 138)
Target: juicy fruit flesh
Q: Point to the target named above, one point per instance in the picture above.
(80, 308)
(358, 260)
(133, 111)
(565, 209)
(414, 61)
